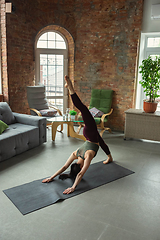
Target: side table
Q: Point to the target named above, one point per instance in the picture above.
(56, 121)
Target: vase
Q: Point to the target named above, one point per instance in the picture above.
(149, 107)
(73, 117)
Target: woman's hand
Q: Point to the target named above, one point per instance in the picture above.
(47, 180)
(69, 190)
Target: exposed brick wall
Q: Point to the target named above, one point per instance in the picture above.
(106, 35)
(106, 50)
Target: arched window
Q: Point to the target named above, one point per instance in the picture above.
(51, 66)
(51, 40)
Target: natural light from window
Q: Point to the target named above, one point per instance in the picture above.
(153, 42)
(158, 99)
(51, 40)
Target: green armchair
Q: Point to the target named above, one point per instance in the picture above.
(102, 100)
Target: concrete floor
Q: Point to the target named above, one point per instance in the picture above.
(126, 209)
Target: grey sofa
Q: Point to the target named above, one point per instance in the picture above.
(24, 132)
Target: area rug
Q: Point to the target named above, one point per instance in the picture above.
(35, 195)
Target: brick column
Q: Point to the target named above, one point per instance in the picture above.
(4, 74)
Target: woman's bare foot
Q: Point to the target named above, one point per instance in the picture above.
(69, 85)
(109, 159)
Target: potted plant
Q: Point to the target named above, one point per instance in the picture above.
(73, 114)
(150, 70)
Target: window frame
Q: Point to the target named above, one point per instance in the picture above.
(55, 51)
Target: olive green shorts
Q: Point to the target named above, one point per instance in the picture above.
(87, 146)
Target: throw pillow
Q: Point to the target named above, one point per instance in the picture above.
(6, 114)
(95, 112)
(48, 112)
(3, 126)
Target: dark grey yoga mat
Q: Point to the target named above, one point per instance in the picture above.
(35, 195)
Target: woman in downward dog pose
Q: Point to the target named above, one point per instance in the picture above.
(87, 151)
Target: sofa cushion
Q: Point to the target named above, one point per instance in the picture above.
(18, 138)
(95, 112)
(48, 112)
(3, 126)
(16, 129)
(6, 114)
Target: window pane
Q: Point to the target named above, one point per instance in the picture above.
(43, 37)
(43, 74)
(59, 73)
(42, 44)
(43, 69)
(51, 44)
(154, 56)
(51, 73)
(153, 42)
(51, 81)
(59, 38)
(57, 103)
(51, 35)
(51, 59)
(158, 99)
(43, 59)
(60, 45)
(59, 60)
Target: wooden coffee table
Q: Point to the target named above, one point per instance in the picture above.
(56, 121)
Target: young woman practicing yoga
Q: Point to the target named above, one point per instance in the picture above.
(87, 151)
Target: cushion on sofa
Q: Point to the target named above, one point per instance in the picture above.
(6, 114)
(3, 126)
(19, 138)
(96, 112)
(48, 112)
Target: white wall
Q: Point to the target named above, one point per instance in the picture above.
(149, 25)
